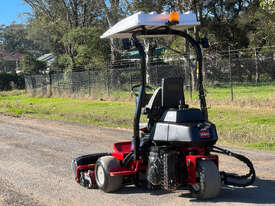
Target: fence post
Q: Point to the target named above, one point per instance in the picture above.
(230, 74)
(89, 81)
(51, 92)
(33, 86)
(26, 84)
(108, 81)
(190, 80)
(131, 84)
(256, 67)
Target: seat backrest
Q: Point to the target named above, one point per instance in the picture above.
(172, 92)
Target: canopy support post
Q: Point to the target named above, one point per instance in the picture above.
(141, 96)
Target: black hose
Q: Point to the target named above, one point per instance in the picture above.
(129, 157)
(234, 179)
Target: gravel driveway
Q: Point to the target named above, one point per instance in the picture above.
(35, 168)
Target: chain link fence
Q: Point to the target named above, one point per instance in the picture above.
(108, 81)
(117, 80)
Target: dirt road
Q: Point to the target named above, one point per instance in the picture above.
(35, 168)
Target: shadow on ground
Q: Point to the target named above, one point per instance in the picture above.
(262, 192)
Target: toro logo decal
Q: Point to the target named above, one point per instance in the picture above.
(204, 133)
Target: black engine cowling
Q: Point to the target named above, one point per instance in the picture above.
(186, 127)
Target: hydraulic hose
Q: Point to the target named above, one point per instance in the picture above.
(234, 179)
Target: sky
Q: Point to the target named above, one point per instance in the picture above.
(10, 9)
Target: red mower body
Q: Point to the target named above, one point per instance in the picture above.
(122, 149)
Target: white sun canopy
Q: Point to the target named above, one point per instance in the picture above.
(126, 27)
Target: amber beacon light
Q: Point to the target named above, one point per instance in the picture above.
(174, 17)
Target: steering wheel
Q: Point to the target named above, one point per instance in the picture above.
(137, 86)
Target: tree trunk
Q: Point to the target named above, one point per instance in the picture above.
(197, 38)
(149, 49)
(189, 70)
(115, 60)
(257, 76)
(112, 18)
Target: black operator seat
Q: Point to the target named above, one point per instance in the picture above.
(172, 93)
(168, 96)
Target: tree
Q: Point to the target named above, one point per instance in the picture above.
(262, 16)
(87, 50)
(150, 44)
(61, 20)
(30, 65)
(39, 37)
(148, 5)
(9, 81)
(221, 21)
(14, 38)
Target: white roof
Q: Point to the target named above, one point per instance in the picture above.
(125, 27)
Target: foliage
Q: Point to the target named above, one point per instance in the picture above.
(221, 23)
(14, 38)
(62, 21)
(39, 37)
(82, 42)
(10, 81)
(268, 5)
(264, 20)
(70, 29)
(30, 65)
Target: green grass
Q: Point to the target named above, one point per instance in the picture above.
(262, 145)
(104, 113)
(243, 92)
(243, 125)
(247, 121)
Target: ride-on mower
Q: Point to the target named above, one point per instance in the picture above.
(176, 146)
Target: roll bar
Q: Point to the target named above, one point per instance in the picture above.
(163, 31)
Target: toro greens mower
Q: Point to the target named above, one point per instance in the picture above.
(176, 146)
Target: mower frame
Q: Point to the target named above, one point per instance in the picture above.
(126, 161)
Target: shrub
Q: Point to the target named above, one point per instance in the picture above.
(10, 81)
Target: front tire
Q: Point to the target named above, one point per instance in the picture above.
(103, 179)
(209, 181)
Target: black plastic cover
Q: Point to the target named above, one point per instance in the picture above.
(172, 92)
(86, 160)
(181, 116)
(185, 133)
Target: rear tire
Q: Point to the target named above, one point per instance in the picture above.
(103, 179)
(209, 181)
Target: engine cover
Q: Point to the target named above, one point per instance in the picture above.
(184, 127)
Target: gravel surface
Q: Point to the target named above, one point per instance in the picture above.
(35, 168)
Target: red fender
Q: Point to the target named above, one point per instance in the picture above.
(191, 162)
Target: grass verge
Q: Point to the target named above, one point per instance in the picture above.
(248, 121)
(262, 145)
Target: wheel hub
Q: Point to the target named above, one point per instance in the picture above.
(196, 187)
(100, 175)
